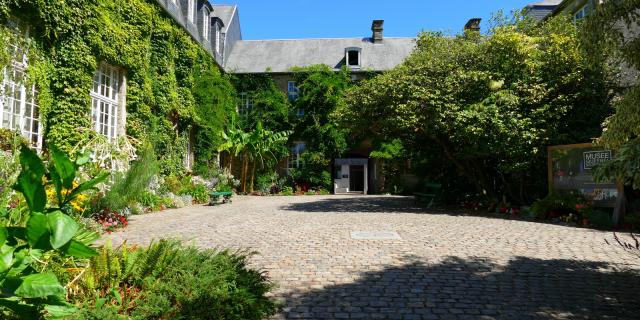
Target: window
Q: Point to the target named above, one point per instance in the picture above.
(353, 57)
(188, 156)
(292, 90)
(582, 13)
(217, 37)
(105, 100)
(18, 101)
(245, 104)
(191, 10)
(205, 24)
(295, 160)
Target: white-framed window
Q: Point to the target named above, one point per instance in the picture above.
(106, 103)
(582, 13)
(353, 57)
(246, 104)
(218, 31)
(205, 23)
(191, 10)
(294, 160)
(18, 100)
(292, 90)
(188, 156)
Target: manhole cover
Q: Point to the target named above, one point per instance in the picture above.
(375, 235)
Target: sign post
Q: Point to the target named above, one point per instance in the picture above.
(570, 170)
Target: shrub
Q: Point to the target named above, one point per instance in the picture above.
(555, 205)
(198, 191)
(172, 184)
(30, 290)
(131, 186)
(600, 219)
(169, 281)
(287, 191)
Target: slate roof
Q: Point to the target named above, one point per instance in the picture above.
(225, 13)
(539, 10)
(257, 56)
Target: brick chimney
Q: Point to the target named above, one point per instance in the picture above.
(473, 25)
(377, 28)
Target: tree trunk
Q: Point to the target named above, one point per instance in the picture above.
(253, 174)
(382, 176)
(464, 169)
(245, 166)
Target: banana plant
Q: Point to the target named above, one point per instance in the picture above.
(23, 289)
(265, 144)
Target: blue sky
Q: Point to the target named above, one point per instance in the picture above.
(287, 19)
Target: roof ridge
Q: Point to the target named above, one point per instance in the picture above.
(307, 39)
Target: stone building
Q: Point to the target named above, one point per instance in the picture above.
(356, 172)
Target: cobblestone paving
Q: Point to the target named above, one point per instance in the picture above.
(446, 266)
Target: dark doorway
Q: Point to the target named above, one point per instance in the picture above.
(356, 178)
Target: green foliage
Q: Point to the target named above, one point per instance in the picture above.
(321, 93)
(388, 150)
(287, 191)
(271, 107)
(209, 86)
(168, 281)
(555, 205)
(256, 146)
(130, 186)
(610, 37)
(27, 289)
(600, 219)
(9, 164)
(313, 171)
(198, 191)
(171, 79)
(487, 104)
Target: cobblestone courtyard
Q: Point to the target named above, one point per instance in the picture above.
(444, 266)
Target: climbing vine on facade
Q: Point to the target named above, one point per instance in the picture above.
(160, 71)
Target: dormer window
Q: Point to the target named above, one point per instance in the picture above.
(582, 13)
(353, 57)
(191, 10)
(218, 31)
(205, 24)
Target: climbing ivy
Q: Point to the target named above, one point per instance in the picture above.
(167, 99)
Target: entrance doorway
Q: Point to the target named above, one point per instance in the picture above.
(356, 179)
(350, 175)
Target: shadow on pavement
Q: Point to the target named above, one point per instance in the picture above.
(478, 289)
(364, 204)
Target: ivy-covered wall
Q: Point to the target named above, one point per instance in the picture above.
(174, 89)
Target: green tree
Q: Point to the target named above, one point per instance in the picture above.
(215, 97)
(488, 104)
(265, 145)
(611, 36)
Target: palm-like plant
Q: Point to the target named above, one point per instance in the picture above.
(254, 146)
(265, 144)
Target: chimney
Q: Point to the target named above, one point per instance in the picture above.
(473, 25)
(377, 28)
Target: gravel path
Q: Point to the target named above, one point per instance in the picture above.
(431, 264)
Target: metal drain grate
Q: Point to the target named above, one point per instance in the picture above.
(375, 235)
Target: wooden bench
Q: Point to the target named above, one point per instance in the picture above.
(431, 191)
(214, 197)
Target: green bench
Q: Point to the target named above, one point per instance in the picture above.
(214, 197)
(430, 194)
